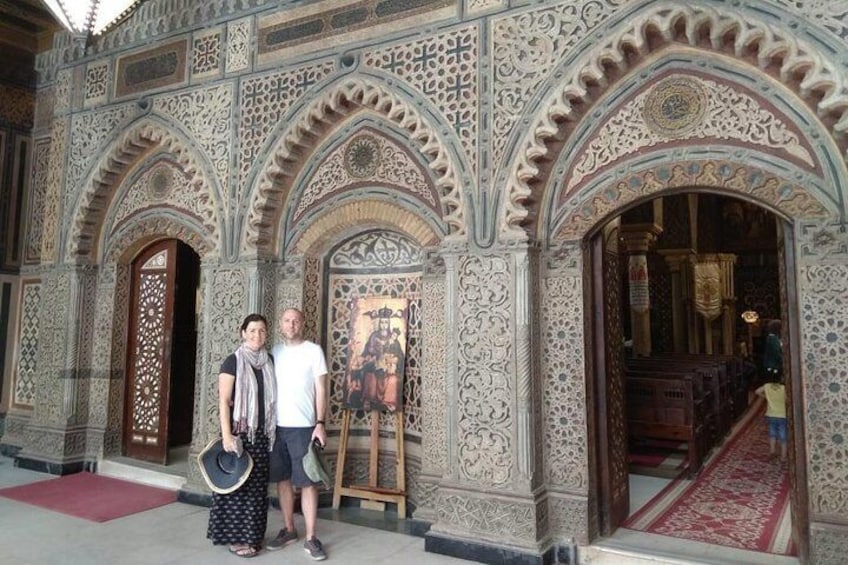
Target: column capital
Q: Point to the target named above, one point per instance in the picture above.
(639, 238)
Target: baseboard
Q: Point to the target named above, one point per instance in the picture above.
(485, 553)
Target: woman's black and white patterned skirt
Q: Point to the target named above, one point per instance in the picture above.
(242, 516)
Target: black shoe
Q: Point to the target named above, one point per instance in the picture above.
(284, 538)
(315, 550)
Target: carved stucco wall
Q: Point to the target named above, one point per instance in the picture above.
(480, 127)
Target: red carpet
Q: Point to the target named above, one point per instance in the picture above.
(658, 459)
(740, 499)
(92, 497)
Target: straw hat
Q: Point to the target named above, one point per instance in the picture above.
(223, 471)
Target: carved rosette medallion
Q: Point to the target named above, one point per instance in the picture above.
(675, 107)
(161, 183)
(362, 156)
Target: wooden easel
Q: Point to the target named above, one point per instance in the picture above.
(374, 497)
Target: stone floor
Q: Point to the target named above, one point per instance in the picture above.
(175, 533)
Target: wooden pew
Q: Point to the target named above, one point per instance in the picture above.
(664, 408)
(716, 393)
(704, 407)
(735, 377)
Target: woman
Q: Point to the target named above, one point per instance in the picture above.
(247, 408)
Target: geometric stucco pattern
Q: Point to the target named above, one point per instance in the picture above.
(238, 45)
(568, 518)
(725, 114)
(37, 195)
(527, 46)
(225, 294)
(578, 216)
(205, 114)
(829, 544)
(824, 332)
(776, 48)
(88, 132)
(564, 396)
(443, 68)
(490, 518)
(55, 183)
(381, 162)
(434, 402)
(264, 101)
(97, 193)
(24, 375)
(286, 158)
(831, 15)
(165, 185)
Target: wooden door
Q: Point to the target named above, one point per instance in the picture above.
(608, 371)
(149, 353)
(794, 391)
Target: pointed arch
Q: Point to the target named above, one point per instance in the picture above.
(106, 176)
(361, 215)
(154, 225)
(736, 179)
(271, 188)
(796, 64)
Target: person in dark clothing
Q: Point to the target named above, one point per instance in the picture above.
(773, 352)
(247, 406)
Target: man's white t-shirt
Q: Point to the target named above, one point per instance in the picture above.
(296, 368)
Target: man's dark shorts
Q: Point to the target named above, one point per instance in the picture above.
(290, 446)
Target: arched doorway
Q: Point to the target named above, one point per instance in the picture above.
(161, 350)
(645, 329)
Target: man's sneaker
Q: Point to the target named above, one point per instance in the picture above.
(284, 538)
(315, 550)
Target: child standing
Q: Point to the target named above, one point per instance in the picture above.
(774, 391)
(775, 395)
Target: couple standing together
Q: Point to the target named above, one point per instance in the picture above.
(276, 405)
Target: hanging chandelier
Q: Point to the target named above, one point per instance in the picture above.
(90, 17)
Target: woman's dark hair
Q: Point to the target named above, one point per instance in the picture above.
(253, 318)
(773, 327)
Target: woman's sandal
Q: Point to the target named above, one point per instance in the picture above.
(244, 551)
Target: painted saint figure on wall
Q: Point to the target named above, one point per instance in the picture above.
(374, 379)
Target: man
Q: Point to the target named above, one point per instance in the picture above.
(301, 372)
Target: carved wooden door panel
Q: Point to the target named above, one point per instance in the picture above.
(149, 347)
(609, 370)
(792, 380)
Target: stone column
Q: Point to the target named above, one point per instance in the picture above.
(564, 397)
(638, 239)
(55, 436)
(817, 361)
(224, 304)
(488, 494)
(678, 264)
(299, 286)
(102, 420)
(435, 406)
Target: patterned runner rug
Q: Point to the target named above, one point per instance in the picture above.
(740, 499)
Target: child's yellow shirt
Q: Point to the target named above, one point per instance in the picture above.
(775, 400)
